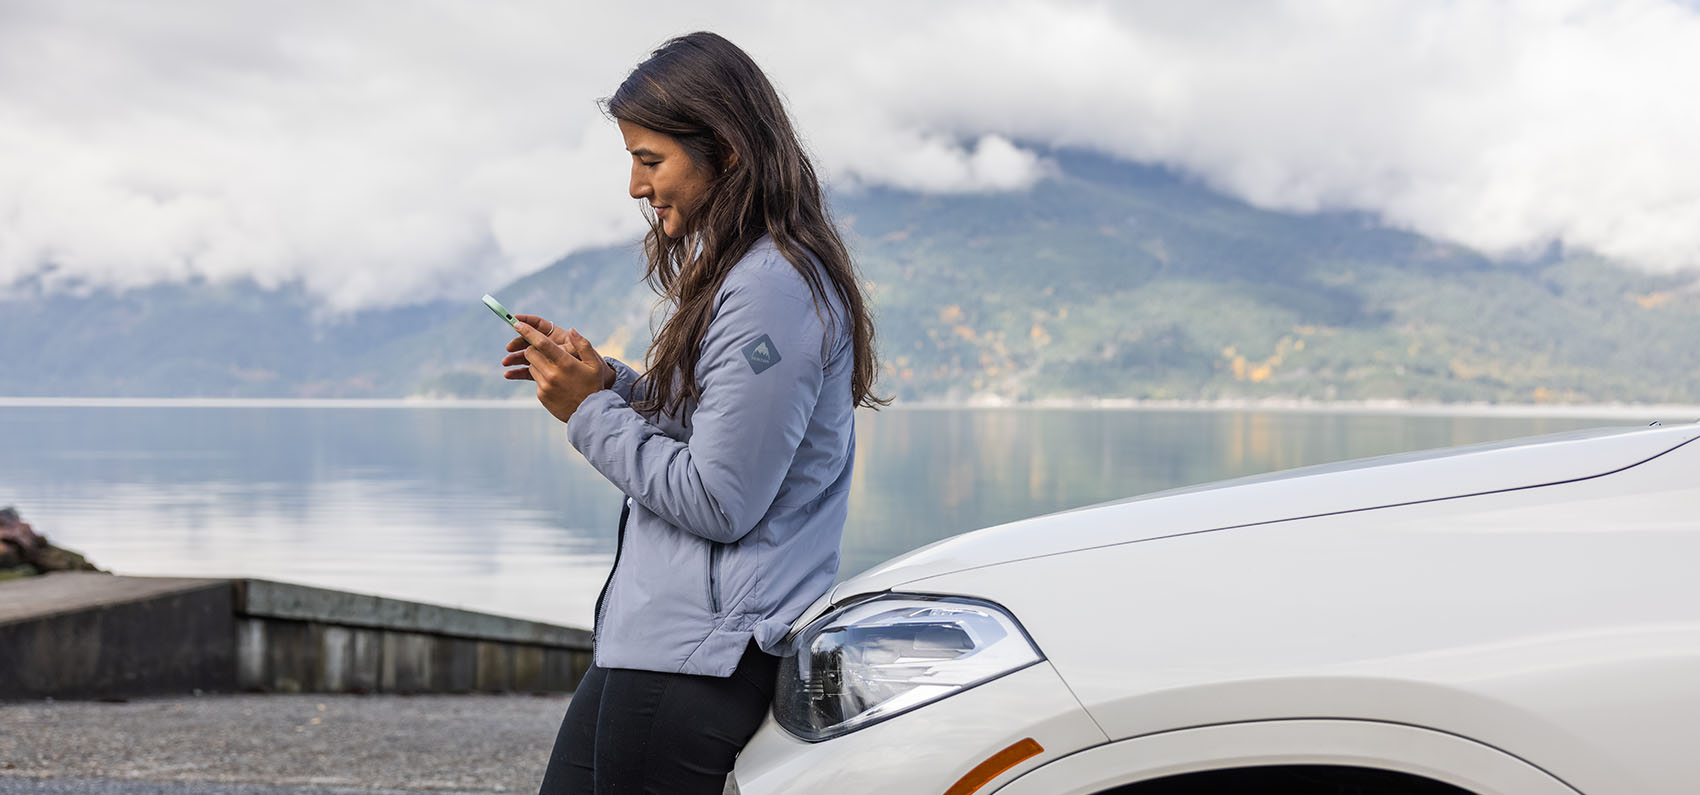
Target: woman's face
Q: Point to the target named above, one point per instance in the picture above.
(662, 173)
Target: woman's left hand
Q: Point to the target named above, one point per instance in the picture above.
(565, 375)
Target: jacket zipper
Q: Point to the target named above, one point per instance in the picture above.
(714, 577)
(602, 598)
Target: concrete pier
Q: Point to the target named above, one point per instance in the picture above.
(92, 636)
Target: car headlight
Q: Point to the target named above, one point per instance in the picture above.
(871, 660)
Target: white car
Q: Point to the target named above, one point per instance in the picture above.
(1519, 618)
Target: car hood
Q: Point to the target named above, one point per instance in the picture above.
(1283, 496)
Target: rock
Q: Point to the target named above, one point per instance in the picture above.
(14, 531)
(10, 557)
(52, 558)
(24, 552)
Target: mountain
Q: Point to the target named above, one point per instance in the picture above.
(1120, 280)
(1106, 279)
(195, 339)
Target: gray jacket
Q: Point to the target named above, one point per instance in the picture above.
(737, 504)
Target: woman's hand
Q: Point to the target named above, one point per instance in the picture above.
(562, 363)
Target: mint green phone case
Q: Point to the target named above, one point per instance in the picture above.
(501, 311)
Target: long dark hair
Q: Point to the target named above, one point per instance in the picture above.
(711, 97)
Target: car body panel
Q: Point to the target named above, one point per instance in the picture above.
(1538, 600)
(1384, 746)
(897, 755)
(1312, 491)
(1559, 623)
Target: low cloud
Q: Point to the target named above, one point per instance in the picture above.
(382, 154)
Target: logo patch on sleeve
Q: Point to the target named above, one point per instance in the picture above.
(761, 354)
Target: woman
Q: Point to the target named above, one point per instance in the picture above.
(734, 448)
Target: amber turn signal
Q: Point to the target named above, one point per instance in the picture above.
(995, 765)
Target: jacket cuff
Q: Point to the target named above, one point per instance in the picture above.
(592, 412)
(624, 377)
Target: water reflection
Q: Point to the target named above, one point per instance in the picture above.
(490, 508)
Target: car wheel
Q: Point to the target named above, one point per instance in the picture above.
(1291, 780)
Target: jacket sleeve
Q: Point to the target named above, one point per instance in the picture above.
(760, 370)
(624, 377)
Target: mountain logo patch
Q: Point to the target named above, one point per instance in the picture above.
(761, 354)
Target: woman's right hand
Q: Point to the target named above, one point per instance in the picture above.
(556, 334)
(517, 346)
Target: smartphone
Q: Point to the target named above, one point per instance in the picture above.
(501, 311)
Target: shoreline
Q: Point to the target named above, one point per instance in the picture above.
(1672, 412)
(1667, 412)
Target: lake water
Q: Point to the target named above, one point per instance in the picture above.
(487, 507)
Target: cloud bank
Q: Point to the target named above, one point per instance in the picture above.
(383, 153)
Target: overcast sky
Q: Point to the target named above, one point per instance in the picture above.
(384, 152)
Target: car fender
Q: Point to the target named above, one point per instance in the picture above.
(1448, 758)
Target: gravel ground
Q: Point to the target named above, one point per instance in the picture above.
(266, 744)
(108, 786)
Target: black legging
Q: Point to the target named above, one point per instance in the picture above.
(668, 734)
